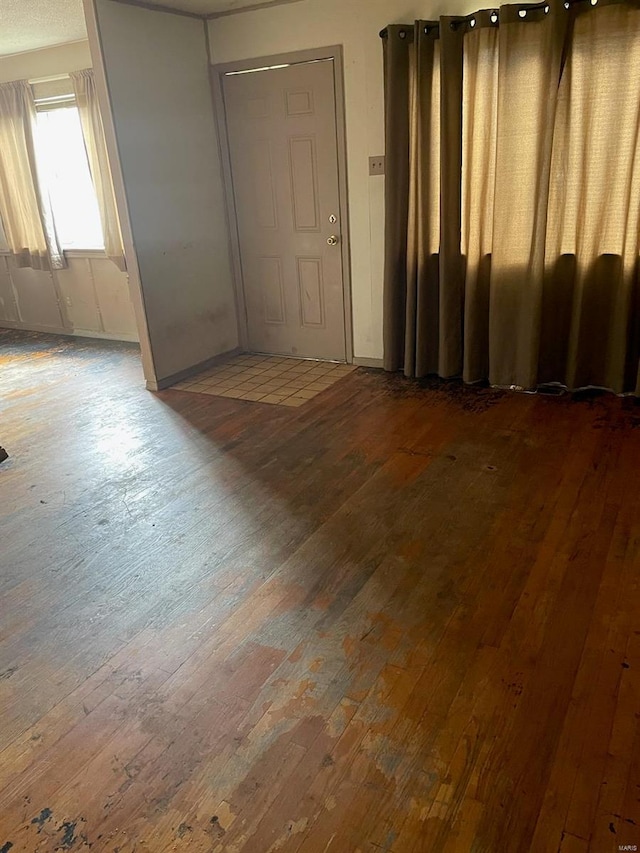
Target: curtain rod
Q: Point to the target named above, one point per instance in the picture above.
(51, 79)
(527, 6)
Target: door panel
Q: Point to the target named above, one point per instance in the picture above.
(281, 125)
(273, 310)
(311, 291)
(263, 184)
(304, 183)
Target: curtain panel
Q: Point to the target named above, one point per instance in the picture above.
(25, 210)
(96, 147)
(512, 235)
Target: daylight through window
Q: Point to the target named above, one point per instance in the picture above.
(64, 172)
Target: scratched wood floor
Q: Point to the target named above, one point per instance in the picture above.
(399, 618)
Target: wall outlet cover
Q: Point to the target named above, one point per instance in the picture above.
(376, 165)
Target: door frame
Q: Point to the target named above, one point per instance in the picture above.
(217, 73)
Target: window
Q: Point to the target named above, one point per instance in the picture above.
(64, 173)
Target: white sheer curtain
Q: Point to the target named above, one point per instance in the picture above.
(25, 210)
(93, 131)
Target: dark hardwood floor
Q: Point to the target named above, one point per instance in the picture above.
(398, 618)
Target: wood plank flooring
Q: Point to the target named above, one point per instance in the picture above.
(397, 618)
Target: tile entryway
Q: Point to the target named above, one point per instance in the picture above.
(267, 379)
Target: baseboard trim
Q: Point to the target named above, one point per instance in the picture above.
(369, 362)
(105, 336)
(34, 327)
(69, 333)
(181, 375)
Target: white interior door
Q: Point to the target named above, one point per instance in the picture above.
(281, 125)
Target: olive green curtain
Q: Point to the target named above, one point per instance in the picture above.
(513, 196)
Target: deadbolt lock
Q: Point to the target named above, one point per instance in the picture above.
(333, 218)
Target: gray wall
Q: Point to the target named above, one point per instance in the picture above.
(157, 75)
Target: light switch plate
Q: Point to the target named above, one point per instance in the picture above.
(376, 165)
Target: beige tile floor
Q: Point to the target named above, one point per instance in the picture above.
(267, 379)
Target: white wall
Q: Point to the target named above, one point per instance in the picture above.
(156, 71)
(89, 298)
(46, 62)
(355, 24)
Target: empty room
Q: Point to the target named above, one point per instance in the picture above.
(319, 426)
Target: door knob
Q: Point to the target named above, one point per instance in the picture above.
(333, 240)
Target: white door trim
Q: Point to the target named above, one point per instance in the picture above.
(333, 52)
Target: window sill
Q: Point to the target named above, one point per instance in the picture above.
(84, 253)
(71, 253)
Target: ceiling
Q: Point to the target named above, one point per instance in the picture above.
(213, 7)
(34, 24)
(31, 24)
